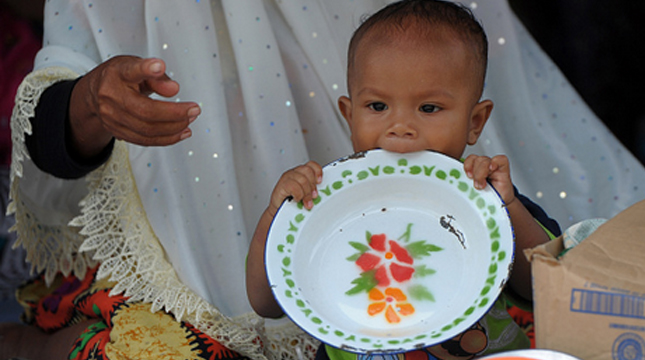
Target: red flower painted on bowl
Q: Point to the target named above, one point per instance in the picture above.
(389, 260)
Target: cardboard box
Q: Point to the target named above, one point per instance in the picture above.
(590, 302)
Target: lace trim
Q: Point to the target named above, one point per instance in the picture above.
(114, 231)
(50, 249)
(123, 242)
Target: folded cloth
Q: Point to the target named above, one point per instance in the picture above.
(574, 235)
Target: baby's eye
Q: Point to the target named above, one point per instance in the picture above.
(377, 106)
(428, 108)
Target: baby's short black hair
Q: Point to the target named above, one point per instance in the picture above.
(428, 15)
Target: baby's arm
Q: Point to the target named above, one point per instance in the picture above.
(300, 184)
(528, 233)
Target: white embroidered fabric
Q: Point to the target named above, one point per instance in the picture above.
(172, 225)
(51, 245)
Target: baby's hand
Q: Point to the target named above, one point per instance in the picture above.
(497, 170)
(298, 183)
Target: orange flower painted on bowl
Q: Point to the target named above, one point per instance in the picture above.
(388, 257)
(384, 262)
(392, 302)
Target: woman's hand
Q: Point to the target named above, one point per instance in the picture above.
(113, 100)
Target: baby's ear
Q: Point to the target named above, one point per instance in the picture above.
(478, 118)
(345, 107)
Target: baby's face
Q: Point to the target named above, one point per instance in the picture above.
(409, 96)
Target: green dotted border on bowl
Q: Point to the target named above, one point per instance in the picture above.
(452, 176)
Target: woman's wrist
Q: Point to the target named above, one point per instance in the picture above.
(88, 137)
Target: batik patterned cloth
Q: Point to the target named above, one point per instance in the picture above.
(122, 330)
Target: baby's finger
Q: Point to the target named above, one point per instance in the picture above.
(293, 185)
(287, 188)
(499, 163)
(480, 171)
(311, 170)
(307, 180)
(469, 163)
(312, 173)
(317, 169)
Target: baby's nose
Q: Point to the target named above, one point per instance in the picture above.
(402, 127)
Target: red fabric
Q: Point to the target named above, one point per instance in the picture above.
(70, 300)
(526, 322)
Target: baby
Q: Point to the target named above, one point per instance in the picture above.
(415, 78)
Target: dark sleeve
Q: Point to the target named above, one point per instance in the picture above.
(48, 145)
(539, 214)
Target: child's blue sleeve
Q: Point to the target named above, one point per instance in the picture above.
(548, 224)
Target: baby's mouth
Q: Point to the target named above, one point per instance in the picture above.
(401, 147)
